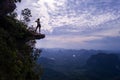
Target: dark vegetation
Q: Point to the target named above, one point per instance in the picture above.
(80, 64)
(26, 13)
(17, 55)
(103, 67)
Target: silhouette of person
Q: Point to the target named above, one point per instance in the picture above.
(38, 25)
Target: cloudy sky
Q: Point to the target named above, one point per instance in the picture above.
(77, 24)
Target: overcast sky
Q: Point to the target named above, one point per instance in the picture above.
(77, 24)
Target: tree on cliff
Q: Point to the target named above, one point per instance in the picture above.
(26, 13)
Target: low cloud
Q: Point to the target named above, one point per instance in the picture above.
(108, 43)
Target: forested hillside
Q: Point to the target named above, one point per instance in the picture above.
(17, 61)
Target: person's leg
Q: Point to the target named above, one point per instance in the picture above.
(36, 29)
(39, 29)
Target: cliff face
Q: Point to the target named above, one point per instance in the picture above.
(17, 57)
(17, 61)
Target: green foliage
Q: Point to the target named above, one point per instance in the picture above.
(16, 59)
(13, 14)
(26, 13)
(7, 6)
(17, 0)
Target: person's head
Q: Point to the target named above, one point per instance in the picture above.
(38, 19)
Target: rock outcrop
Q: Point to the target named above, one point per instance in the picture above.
(39, 36)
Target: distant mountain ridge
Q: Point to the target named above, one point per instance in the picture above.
(66, 61)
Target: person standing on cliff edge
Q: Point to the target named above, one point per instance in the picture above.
(38, 25)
